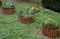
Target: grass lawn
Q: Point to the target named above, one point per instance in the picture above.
(11, 28)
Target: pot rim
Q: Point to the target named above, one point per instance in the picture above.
(49, 27)
(26, 17)
(9, 8)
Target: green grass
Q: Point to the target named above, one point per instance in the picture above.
(11, 28)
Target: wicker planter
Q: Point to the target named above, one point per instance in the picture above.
(8, 10)
(23, 19)
(49, 32)
(0, 3)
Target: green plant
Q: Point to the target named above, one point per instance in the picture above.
(7, 5)
(50, 23)
(27, 13)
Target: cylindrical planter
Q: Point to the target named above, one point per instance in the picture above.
(0, 3)
(49, 32)
(8, 10)
(25, 20)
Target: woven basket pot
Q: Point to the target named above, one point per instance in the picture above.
(28, 19)
(25, 20)
(50, 32)
(8, 10)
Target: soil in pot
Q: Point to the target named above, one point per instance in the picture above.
(51, 33)
(8, 10)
